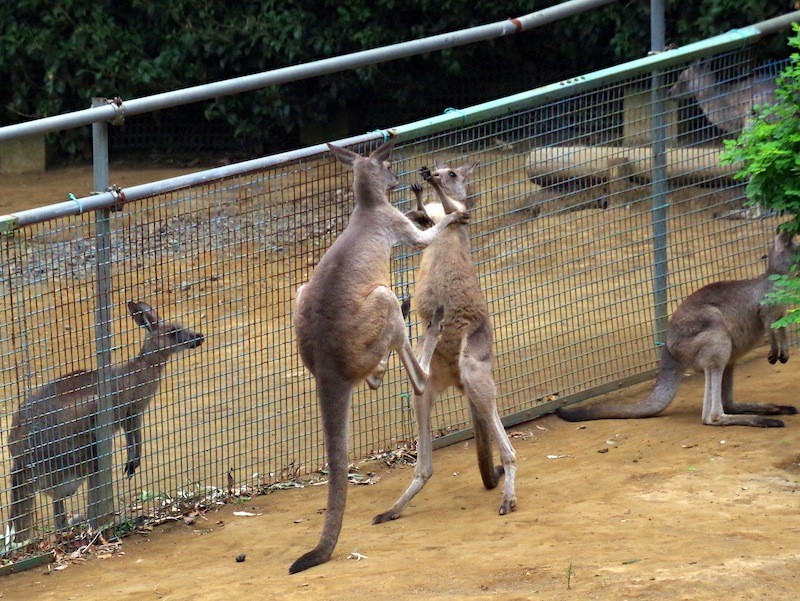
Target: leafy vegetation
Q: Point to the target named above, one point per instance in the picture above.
(767, 153)
(56, 56)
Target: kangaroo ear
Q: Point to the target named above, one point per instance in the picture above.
(344, 155)
(437, 164)
(465, 170)
(143, 314)
(382, 152)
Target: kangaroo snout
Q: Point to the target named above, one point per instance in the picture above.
(190, 339)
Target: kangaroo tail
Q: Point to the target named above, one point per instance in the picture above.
(490, 473)
(667, 381)
(22, 500)
(334, 403)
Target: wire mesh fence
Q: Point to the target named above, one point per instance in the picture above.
(562, 229)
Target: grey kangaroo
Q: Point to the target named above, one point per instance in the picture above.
(729, 107)
(52, 440)
(347, 319)
(709, 331)
(459, 351)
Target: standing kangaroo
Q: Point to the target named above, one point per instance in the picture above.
(52, 437)
(729, 107)
(459, 350)
(347, 319)
(709, 331)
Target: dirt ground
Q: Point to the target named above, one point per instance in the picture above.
(664, 508)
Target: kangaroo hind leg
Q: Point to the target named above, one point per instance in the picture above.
(475, 364)
(717, 380)
(423, 470)
(730, 406)
(376, 377)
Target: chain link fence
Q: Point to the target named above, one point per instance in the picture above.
(563, 237)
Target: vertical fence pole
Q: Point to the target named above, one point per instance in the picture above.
(103, 494)
(660, 188)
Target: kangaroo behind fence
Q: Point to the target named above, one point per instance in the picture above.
(709, 332)
(457, 347)
(727, 106)
(52, 440)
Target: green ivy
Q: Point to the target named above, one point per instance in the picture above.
(767, 155)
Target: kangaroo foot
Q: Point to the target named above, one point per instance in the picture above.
(508, 505)
(756, 421)
(786, 410)
(769, 423)
(386, 516)
(309, 560)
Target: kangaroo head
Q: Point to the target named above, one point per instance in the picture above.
(373, 178)
(693, 79)
(782, 254)
(452, 189)
(163, 338)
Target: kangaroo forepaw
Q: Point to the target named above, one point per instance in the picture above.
(425, 172)
(386, 516)
(783, 358)
(787, 410)
(130, 468)
(508, 505)
(772, 358)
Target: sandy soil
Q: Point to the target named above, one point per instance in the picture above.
(664, 508)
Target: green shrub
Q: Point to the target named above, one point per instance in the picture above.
(767, 154)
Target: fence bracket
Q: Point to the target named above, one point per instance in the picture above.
(8, 224)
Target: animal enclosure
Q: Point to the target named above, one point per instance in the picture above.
(565, 233)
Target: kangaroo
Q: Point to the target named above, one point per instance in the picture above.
(347, 319)
(709, 331)
(52, 437)
(459, 350)
(729, 107)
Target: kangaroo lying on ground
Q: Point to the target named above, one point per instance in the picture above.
(709, 331)
(730, 106)
(347, 319)
(52, 438)
(459, 350)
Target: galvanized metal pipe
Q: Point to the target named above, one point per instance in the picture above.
(326, 66)
(480, 112)
(660, 186)
(102, 494)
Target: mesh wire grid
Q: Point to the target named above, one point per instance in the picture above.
(562, 234)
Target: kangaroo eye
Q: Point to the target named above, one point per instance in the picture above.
(452, 174)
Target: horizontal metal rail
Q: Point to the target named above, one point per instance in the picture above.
(247, 83)
(453, 117)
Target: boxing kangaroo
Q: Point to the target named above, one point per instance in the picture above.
(52, 438)
(347, 319)
(459, 351)
(709, 331)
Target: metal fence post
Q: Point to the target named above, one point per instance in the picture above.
(660, 190)
(103, 495)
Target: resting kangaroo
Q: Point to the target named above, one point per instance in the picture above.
(459, 350)
(709, 331)
(347, 319)
(730, 106)
(52, 441)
